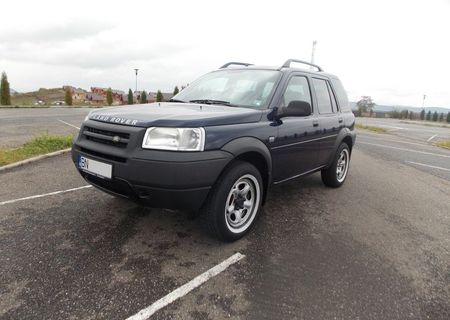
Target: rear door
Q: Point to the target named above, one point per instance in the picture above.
(295, 150)
(330, 120)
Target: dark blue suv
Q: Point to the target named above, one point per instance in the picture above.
(218, 145)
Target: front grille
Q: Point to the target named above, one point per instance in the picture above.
(103, 155)
(112, 138)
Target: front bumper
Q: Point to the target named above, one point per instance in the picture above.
(163, 179)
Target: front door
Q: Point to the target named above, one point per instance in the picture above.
(295, 150)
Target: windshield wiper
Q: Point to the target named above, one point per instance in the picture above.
(176, 100)
(212, 101)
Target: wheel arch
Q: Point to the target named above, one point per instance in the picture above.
(347, 136)
(254, 151)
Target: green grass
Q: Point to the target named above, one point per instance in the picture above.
(371, 128)
(38, 146)
(443, 144)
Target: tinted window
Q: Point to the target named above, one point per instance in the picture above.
(340, 94)
(323, 96)
(297, 90)
(333, 98)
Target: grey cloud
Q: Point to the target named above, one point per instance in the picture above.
(53, 33)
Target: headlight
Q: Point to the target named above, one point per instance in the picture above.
(179, 139)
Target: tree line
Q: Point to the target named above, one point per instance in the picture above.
(366, 105)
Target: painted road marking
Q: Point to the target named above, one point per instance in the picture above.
(427, 165)
(432, 137)
(69, 124)
(44, 195)
(365, 136)
(404, 149)
(186, 288)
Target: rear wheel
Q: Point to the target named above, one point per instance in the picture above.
(334, 176)
(234, 203)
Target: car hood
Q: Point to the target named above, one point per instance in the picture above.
(175, 115)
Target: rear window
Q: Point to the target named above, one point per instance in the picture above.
(341, 95)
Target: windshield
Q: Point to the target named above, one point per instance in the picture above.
(242, 88)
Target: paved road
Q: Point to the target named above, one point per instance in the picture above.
(410, 130)
(377, 248)
(19, 125)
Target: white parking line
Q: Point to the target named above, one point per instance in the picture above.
(186, 288)
(44, 195)
(404, 149)
(427, 165)
(365, 136)
(432, 137)
(69, 124)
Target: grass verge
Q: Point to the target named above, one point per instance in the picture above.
(371, 128)
(38, 146)
(443, 144)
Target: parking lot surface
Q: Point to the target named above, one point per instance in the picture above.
(18, 125)
(376, 248)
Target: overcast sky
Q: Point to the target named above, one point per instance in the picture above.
(395, 51)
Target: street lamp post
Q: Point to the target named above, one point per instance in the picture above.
(313, 51)
(423, 101)
(136, 70)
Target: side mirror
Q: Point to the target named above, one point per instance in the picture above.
(296, 108)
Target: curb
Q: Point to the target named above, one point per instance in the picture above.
(34, 159)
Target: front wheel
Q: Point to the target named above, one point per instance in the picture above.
(234, 203)
(334, 176)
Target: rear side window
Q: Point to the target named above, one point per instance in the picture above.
(323, 96)
(340, 94)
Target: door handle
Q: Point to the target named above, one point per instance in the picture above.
(315, 123)
(340, 120)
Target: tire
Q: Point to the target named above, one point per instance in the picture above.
(234, 203)
(334, 176)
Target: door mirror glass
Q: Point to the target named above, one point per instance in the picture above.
(296, 108)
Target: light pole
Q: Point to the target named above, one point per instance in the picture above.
(136, 70)
(423, 101)
(313, 51)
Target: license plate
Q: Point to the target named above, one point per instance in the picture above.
(94, 167)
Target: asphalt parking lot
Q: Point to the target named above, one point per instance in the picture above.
(377, 248)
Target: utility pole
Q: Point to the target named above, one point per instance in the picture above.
(136, 70)
(313, 51)
(423, 101)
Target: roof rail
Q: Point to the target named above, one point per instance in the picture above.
(226, 65)
(287, 64)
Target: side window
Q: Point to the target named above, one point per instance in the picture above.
(341, 95)
(323, 96)
(297, 90)
(333, 98)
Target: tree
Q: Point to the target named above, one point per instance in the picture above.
(365, 105)
(109, 97)
(422, 114)
(176, 90)
(143, 97)
(411, 115)
(5, 94)
(441, 117)
(435, 116)
(448, 117)
(68, 97)
(428, 118)
(404, 114)
(159, 96)
(130, 97)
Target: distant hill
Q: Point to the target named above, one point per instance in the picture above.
(46, 95)
(12, 91)
(385, 108)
